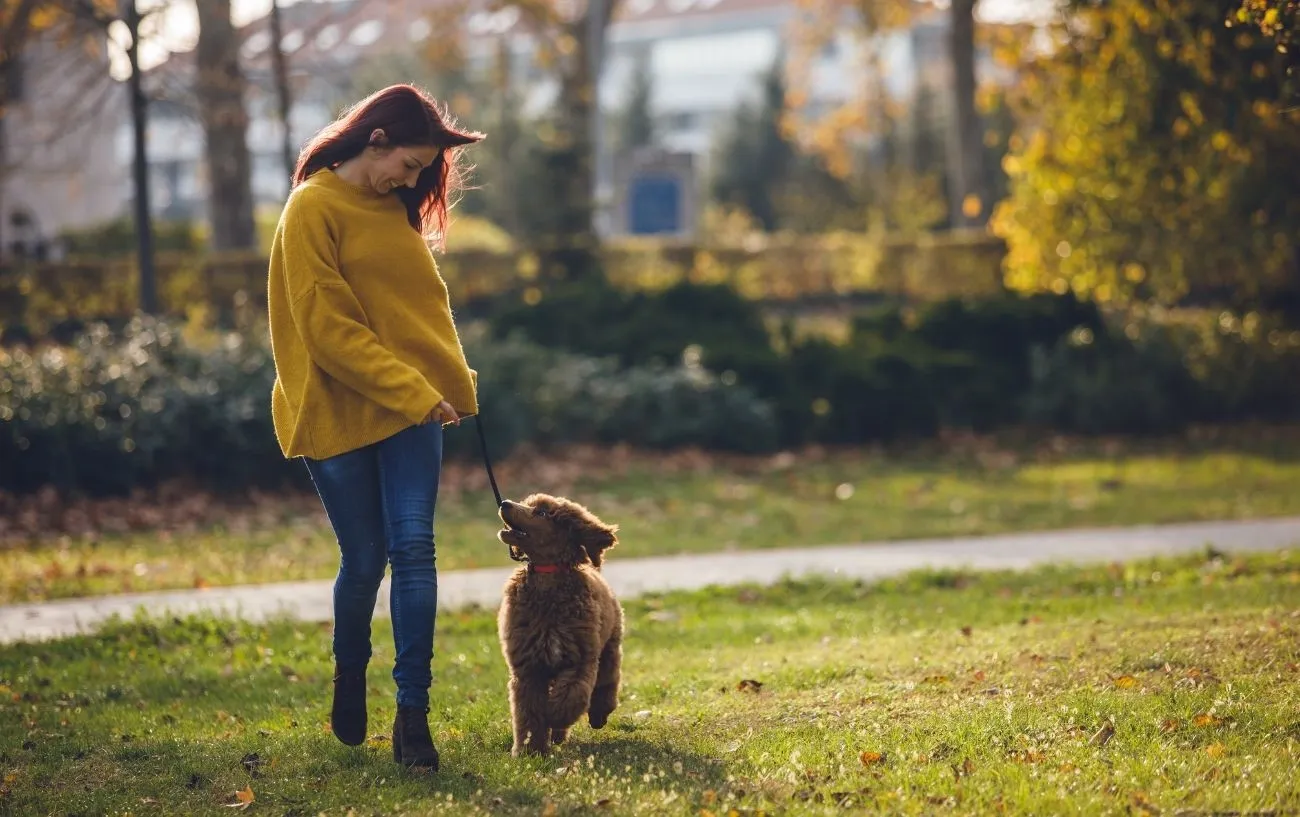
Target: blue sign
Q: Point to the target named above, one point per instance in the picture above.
(654, 205)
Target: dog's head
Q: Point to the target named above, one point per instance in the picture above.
(554, 530)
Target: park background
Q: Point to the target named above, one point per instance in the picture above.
(739, 275)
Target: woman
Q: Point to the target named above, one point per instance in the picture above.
(369, 369)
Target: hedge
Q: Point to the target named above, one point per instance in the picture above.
(38, 297)
(686, 366)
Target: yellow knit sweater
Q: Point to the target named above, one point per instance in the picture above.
(361, 326)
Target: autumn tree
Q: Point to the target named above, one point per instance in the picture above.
(570, 39)
(872, 116)
(1279, 22)
(70, 25)
(1155, 158)
(754, 157)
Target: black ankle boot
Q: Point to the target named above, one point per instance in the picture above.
(412, 743)
(348, 714)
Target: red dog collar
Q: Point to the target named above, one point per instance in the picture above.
(547, 568)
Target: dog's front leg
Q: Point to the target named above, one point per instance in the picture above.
(528, 715)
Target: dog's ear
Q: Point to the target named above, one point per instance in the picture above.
(596, 539)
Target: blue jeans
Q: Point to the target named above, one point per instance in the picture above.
(380, 501)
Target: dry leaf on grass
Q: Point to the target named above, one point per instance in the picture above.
(869, 758)
(243, 798)
(749, 685)
(1207, 719)
(1125, 682)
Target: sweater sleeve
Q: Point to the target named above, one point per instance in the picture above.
(333, 325)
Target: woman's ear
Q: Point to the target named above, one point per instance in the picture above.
(378, 139)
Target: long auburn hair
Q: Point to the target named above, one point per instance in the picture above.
(408, 116)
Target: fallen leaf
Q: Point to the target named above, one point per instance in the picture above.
(201, 583)
(966, 631)
(708, 797)
(1170, 725)
(603, 802)
(548, 810)
(244, 798)
(935, 679)
(749, 685)
(1126, 682)
(1216, 750)
(871, 758)
(1103, 735)
(1206, 719)
(979, 675)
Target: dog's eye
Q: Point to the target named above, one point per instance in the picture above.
(543, 514)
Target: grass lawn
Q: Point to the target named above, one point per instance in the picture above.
(689, 502)
(1162, 687)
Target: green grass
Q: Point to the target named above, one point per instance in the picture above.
(692, 503)
(938, 693)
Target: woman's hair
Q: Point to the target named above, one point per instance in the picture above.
(408, 116)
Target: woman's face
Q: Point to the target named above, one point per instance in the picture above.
(399, 166)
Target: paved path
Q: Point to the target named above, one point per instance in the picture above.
(310, 601)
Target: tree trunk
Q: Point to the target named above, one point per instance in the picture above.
(139, 121)
(573, 255)
(220, 92)
(281, 68)
(505, 136)
(969, 197)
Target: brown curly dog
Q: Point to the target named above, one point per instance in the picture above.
(561, 627)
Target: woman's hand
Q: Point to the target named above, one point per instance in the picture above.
(443, 412)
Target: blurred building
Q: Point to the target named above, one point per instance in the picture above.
(703, 58)
(59, 173)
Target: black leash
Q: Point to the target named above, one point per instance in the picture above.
(496, 492)
(487, 461)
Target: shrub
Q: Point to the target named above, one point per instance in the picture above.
(120, 410)
(1108, 384)
(124, 409)
(637, 327)
(529, 392)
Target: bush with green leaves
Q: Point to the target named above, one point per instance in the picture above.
(124, 409)
(1107, 383)
(117, 410)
